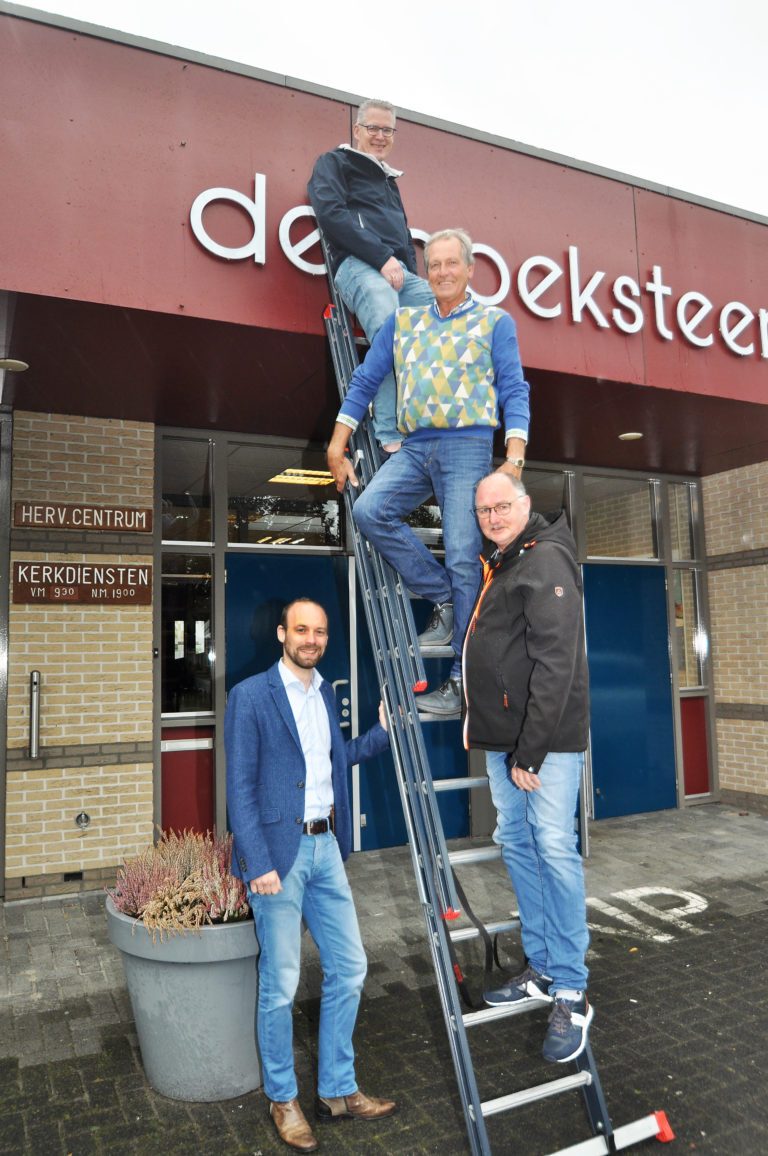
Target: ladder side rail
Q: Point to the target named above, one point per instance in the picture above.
(594, 1100)
(389, 614)
(364, 448)
(431, 900)
(392, 589)
(403, 715)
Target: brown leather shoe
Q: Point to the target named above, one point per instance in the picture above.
(358, 1106)
(292, 1126)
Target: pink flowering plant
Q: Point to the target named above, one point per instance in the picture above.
(181, 883)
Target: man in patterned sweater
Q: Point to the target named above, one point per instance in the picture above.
(457, 364)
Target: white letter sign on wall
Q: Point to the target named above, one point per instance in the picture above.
(256, 210)
(293, 251)
(546, 287)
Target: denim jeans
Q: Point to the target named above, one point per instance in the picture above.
(449, 467)
(535, 830)
(371, 298)
(316, 888)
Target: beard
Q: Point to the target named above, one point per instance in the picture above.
(307, 657)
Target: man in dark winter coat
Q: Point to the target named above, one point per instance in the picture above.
(527, 705)
(354, 194)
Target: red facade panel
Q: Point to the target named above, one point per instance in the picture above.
(107, 146)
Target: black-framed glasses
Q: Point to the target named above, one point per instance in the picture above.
(374, 129)
(501, 508)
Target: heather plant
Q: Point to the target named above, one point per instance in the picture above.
(181, 884)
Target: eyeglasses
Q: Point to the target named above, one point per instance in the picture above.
(373, 129)
(501, 508)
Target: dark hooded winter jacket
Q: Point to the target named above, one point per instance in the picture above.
(526, 683)
(359, 209)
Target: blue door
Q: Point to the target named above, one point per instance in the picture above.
(258, 586)
(633, 746)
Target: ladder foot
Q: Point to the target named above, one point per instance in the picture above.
(665, 1133)
(420, 686)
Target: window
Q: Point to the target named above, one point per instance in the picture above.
(185, 465)
(187, 651)
(620, 518)
(691, 642)
(281, 496)
(680, 520)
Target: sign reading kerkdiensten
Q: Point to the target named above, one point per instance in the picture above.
(86, 583)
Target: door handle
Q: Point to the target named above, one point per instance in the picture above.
(34, 714)
(346, 713)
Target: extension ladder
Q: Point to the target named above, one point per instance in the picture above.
(400, 669)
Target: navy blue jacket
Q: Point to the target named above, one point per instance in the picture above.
(266, 773)
(359, 209)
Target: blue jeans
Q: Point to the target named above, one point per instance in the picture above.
(372, 299)
(535, 830)
(316, 888)
(449, 467)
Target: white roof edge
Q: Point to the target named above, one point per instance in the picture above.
(117, 36)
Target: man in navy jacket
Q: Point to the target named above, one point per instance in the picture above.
(289, 811)
(354, 194)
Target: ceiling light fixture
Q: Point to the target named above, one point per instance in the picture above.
(293, 477)
(630, 436)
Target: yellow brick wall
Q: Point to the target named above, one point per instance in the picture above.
(735, 504)
(41, 834)
(94, 461)
(742, 749)
(95, 660)
(738, 602)
(95, 664)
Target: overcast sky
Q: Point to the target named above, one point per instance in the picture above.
(671, 91)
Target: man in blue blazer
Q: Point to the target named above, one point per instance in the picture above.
(289, 812)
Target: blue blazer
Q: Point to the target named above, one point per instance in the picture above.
(266, 773)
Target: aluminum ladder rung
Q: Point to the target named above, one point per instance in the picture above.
(537, 1092)
(424, 717)
(474, 855)
(495, 928)
(436, 651)
(644, 1129)
(487, 1015)
(465, 782)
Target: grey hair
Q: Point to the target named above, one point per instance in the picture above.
(367, 105)
(461, 235)
(516, 484)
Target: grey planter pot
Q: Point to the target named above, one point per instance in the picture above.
(194, 1003)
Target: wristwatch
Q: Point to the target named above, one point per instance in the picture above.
(518, 463)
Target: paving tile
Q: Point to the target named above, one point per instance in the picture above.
(668, 1033)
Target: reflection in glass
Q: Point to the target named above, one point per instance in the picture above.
(691, 641)
(619, 518)
(185, 465)
(547, 489)
(681, 523)
(187, 646)
(281, 496)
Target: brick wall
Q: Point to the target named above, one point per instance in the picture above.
(95, 662)
(736, 531)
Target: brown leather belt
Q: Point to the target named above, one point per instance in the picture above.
(317, 827)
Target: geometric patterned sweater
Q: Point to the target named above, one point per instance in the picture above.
(453, 373)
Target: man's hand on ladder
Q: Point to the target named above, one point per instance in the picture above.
(338, 462)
